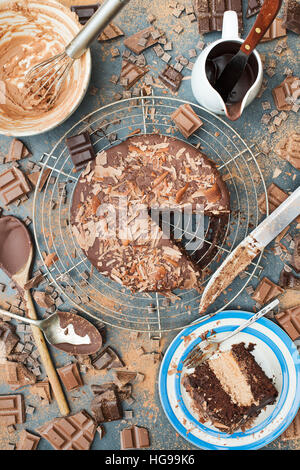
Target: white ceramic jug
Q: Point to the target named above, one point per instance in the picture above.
(203, 91)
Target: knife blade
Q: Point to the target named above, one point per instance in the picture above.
(249, 248)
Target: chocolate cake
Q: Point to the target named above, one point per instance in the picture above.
(230, 388)
(142, 172)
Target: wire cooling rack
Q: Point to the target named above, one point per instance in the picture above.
(102, 298)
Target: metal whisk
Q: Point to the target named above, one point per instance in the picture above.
(44, 80)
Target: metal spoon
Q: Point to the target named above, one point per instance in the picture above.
(62, 330)
(206, 348)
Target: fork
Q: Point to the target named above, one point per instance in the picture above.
(209, 346)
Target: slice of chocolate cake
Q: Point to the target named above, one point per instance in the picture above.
(230, 388)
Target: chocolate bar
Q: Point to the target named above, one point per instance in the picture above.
(186, 120)
(81, 149)
(134, 438)
(135, 43)
(17, 151)
(276, 196)
(289, 320)
(266, 291)
(13, 185)
(12, 409)
(288, 280)
(74, 432)
(275, 31)
(111, 31)
(106, 407)
(171, 78)
(84, 12)
(253, 8)
(130, 74)
(293, 431)
(70, 376)
(289, 149)
(28, 441)
(292, 16)
(287, 93)
(210, 13)
(17, 375)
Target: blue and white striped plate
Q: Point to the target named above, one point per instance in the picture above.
(274, 351)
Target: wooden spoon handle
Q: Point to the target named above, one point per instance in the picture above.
(263, 21)
(46, 358)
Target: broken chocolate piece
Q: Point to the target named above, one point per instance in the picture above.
(17, 151)
(186, 120)
(43, 390)
(13, 185)
(111, 31)
(106, 407)
(289, 149)
(34, 282)
(276, 196)
(275, 31)
(130, 74)
(42, 299)
(12, 409)
(34, 177)
(28, 441)
(289, 320)
(293, 431)
(81, 149)
(287, 93)
(288, 280)
(70, 376)
(210, 13)
(296, 254)
(135, 437)
(292, 16)
(8, 338)
(84, 12)
(133, 42)
(266, 291)
(74, 432)
(107, 359)
(253, 8)
(171, 78)
(17, 375)
(125, 376)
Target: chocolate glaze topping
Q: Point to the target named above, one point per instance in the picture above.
(15, 245)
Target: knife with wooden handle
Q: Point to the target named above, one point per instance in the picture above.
(249, 248)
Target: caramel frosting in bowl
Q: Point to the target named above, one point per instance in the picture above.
(30, 32)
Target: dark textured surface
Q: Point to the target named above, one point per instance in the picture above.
(147, 409)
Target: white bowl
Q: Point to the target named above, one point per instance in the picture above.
(47, 14)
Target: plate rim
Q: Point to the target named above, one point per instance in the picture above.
(231, 314)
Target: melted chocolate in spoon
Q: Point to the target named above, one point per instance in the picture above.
(15, 245)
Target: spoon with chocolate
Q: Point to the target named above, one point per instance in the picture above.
(66, 331)
(234, 69)
(16, 253)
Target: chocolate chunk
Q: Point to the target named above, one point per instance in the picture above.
(81, 149)
(288, 280)
(13, 185)
(275, 31)
(28, 441)
(253, 7)
(34, 282)
(33, 178)
(84, 12)
(70, 376)
(107, 359)
(12, 409)
(106, 407)
(276, 196)
(74, 432)
(17, 375)
(289, 320)
(289, 149)
(130, 74)
(8, 338)
(210, 13)
(292, 16)
(293, 431)
(296, 254)
(111, 31)
(97, 389)
(287, 93)
(266, 291)
(132, 42)
(42, 299)
(135, 437)
(171, 78)
(186, 120)
(125, 376)
(17, 151)
(43, 390)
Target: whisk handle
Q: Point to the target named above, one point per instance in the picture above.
(93, 27)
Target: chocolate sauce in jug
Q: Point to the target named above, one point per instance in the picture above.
(216, 61)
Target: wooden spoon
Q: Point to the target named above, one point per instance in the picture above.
(16, 253)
